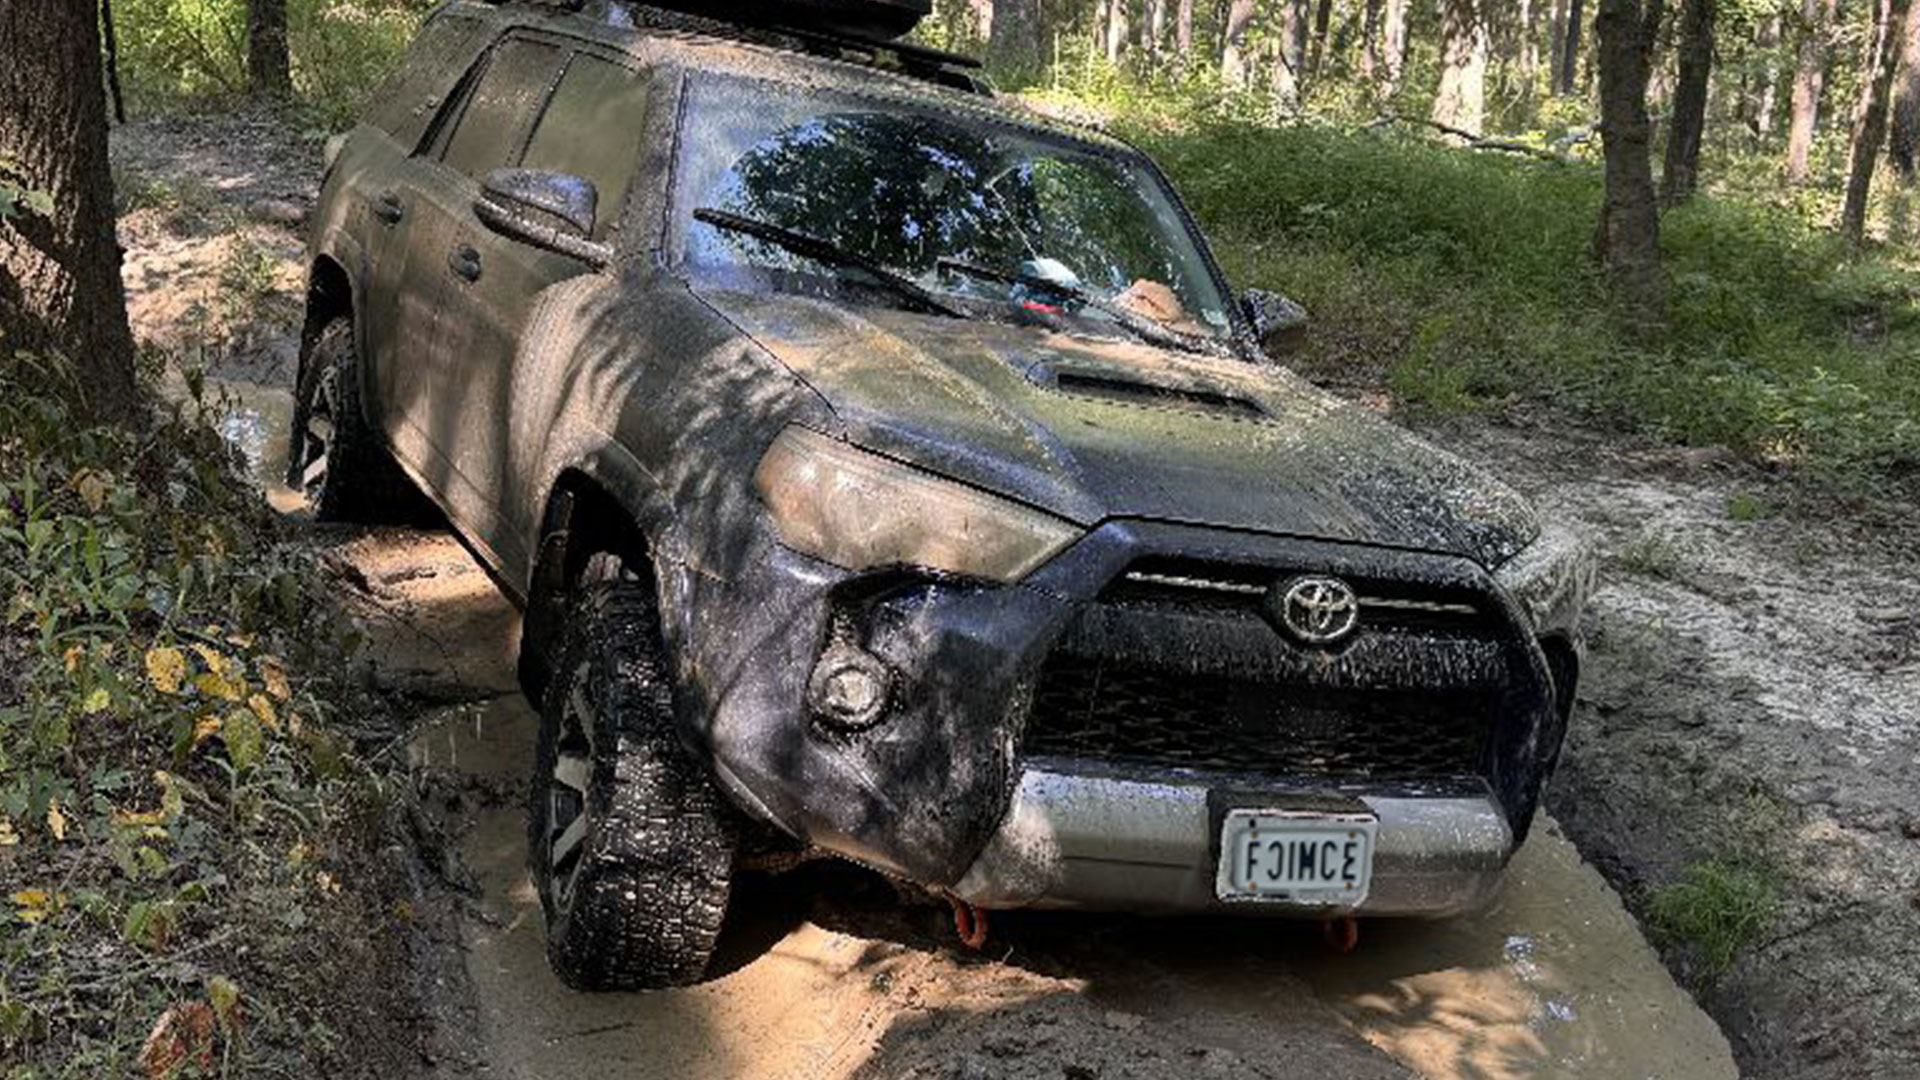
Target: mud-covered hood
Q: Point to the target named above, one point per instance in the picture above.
(1095, 429)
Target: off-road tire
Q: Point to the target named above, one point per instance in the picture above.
(358, 480)
(641, 904)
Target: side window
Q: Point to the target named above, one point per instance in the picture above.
(592, 129)
(493, 123)
(425, 79)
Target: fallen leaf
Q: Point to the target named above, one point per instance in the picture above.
(215, 686)
(33, 905)
(245, 744)
(181, 1032)
(56, 820)
(205, 728)
(224, 995)
(8, 837)
(275, 677)
(92, 486)
(72, 657)
(166, 669)
(262, 707)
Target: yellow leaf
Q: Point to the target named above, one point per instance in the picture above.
(56, 820)
(92, 486)
(96, 702)
(262, 707)
(216, 663)
(166, 669)
(33, 904)
(275, 677)
(8, 838)
(205, 728)
(214, 686)
(71, 658)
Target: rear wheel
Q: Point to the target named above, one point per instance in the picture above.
(632, 846)
(334, 457)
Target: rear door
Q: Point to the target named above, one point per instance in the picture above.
(484, 129)
(590, 127)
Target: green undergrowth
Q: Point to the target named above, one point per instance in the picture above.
(182, 819)
(1463, 281)
(1715, 911)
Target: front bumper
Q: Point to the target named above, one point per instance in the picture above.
(1087, 841)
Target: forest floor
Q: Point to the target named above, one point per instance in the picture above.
(1745, 727)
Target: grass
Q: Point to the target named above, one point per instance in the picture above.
(1464, 282)
(1716, 911)
(179, 804)
(1651, 554)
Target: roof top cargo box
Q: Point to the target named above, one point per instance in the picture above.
(881, 20)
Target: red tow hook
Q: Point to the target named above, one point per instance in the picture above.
(1342, 933)
(969, 922)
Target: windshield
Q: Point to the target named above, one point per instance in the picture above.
(933, 196)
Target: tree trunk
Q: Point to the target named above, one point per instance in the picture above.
(1289, 55)
(1233, 59)
(1183, 30)
(1014, 38)
(269, 67)
(1567, 51)
(1628, 238)
(1766, 90)
(1317, 44)
(1393, 46)
(60, 289)
(1154, 34)
(980, 18)
(1903, 131)
(1525, 53)
(1117, 29)
(1872, 130)
(1461, 102)
(1808, 74)
(1370, 61)
(1689, 122)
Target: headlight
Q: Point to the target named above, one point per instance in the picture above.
(1551, 579)
(860, 511)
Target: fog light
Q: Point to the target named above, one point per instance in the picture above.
(848, 689)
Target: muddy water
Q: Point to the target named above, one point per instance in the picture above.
(1554, 980)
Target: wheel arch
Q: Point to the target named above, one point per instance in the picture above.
(588, 510)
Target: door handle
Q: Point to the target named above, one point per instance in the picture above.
(388, 209)
(465, 262)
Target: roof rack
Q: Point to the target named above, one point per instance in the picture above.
(868, 28)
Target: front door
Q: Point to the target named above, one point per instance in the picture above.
(591, 129)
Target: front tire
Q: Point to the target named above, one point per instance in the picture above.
(334, 457)
(631, 844)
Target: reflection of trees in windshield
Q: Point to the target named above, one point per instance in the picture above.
(909, 190)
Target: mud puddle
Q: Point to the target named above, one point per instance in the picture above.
(832, 976)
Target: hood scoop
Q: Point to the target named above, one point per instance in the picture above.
(1123, 390)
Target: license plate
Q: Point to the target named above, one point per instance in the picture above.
(1296, 857)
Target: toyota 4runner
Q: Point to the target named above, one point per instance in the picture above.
(886, 471)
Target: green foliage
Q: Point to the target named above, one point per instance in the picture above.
(1717, 909)
(170, 789)
(1463, 280)
(183, 51)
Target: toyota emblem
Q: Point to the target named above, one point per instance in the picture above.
(1316, 610)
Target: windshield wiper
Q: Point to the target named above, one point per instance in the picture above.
(1141, 327)
(825, 251)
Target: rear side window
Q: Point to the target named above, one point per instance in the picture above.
(492, 126)
(413, 93)
(592, 129)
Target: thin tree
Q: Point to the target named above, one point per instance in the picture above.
(1014, 37)
(1117, 30)
(1183, 30)
(269, 62)
(1689, 122)
(1567, 51)
(1761, 97)
(1317, 42)
(1903, 125)
(1628, 237)
(60, 289)
(1809, 72)
(1393, 46)
(1461, 103)
(1233, 43)
(1289, 54)
(1872, 128)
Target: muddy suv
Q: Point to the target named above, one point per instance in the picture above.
(886, 471)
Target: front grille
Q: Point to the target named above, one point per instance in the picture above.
(1176, 665)
(1096, 710)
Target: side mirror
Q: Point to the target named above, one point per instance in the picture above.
(552, 210)
(1279, 324)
